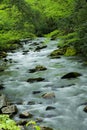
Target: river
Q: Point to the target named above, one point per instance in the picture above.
(70, 95)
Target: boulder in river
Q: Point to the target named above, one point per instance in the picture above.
(85, 109)
(49, 95)
(32, 80)
(12, 109)
(71, 75)
(38, 68)
(1, 86)
(50, 108)
(56, 53)
(3, 54)
(25, 114)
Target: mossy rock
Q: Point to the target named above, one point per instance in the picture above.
(38, 68)
(32, 80)
(70, 51)
(3, 54)
(57, 53)
(71, 75)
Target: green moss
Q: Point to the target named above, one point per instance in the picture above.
(7, 124)
(53, 35)
(70, 51)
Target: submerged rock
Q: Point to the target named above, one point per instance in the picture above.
(36, 92)
(31, 103)
(22, 122)
(50, 108)
(85, 109)
(12, 109)
(45, 128)
(32, 80)
(71, 75)
(38, 68)
(25, 52)
(1, 86)
(38, 48)
(49, 95)
(25, 114)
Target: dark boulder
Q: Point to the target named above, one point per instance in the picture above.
(50, 108)
(31, 103)
(38, 48)
(22, 122)
(71, 75)
(1, 86)
(85, 109)
(36, 92)
(32, 80)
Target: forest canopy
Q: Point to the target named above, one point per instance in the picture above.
(27, 18)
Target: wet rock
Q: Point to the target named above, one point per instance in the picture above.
(32, 80)
(25, 114)
(31, 103)
(71, 75)
(56, 53)
(12, 109)
(1, 86)
(22, 122)
(45, 128)
(1, 69)
(3, 101)
(3, 54)
(38, 68)
(69, 85)
(25, 52)
(38, 48)
(49, 95)
(39, 120)
(85, 109)
(50, 108)
(35, 43)
(36, 92)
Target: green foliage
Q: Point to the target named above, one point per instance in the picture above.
(66, 18)
(7, 124)
(34, 125)
(70, 51)
(53, 35)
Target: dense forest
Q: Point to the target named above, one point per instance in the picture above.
(65, 19)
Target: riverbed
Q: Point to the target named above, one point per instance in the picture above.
(70, 95)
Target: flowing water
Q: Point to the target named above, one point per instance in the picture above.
(70, 95)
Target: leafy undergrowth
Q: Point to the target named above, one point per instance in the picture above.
(7, 124)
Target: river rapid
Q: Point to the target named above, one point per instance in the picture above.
(70, 95)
